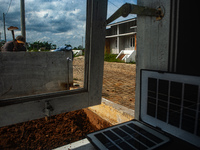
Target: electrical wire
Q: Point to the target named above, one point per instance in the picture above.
(8, 7)
(113, 4)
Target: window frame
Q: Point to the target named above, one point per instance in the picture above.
(21, 109)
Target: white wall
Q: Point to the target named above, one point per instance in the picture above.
(77, 52)
(124, 44)
(113, 47)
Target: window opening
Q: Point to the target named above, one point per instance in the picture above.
(55, 48)
(38, 104)
(119, 78)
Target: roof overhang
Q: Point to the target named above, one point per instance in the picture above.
(121, 22)
(125, 34)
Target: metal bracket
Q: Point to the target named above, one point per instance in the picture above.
(128, 8)
(47, 109)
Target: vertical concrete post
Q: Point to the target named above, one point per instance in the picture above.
(152, 43)
(23, 28)
(4, 26)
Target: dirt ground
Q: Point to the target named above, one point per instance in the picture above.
(57, 131)
(118, 81)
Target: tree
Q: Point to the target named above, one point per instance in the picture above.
(75, 48)
(37, 45)
(2, 43)
(68, 45)
(80, 47)
(53, 46)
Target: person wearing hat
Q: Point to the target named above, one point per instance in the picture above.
(9, 46)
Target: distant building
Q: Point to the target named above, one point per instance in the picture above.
(121, 36)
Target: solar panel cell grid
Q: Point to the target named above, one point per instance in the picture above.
(173, 102)
(107, 143)
(126, 136)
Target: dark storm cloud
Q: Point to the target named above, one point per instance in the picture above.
(47, 15)
(12, 20)
(48, 23)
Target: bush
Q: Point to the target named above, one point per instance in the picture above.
(112, 58)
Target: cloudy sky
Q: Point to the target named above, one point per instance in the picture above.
(57, 21)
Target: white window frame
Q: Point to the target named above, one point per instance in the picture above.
(27, 108)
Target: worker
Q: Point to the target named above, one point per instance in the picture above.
(9, 46)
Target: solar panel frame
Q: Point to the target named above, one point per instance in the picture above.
(180, 113)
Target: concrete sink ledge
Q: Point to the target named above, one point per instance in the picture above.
(112, 112)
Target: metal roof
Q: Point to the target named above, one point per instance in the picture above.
(121, 22)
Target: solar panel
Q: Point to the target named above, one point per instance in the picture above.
(171, 102)
(131, 135)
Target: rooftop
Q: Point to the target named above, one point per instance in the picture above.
(121, 22)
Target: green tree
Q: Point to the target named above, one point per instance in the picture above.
(37, 45)
(80, 47)
(68, 45)
(1, 44)
(53, 46)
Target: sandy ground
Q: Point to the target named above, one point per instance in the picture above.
(118, 81)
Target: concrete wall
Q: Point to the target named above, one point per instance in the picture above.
(122, 43)
(152, 44)
(77, 52)
(125, 43)
(113, 47)
(112, 112)
(29, 73)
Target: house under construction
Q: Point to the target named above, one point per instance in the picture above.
(121, 36)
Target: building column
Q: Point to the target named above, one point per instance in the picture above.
(118, 39)
(135, 41)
